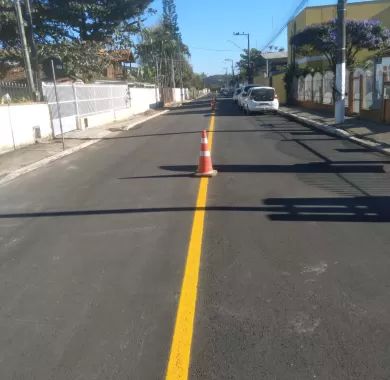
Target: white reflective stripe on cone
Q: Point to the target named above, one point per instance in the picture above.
(204, 141)
(205, 153)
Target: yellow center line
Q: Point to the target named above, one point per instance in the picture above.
(179, 358)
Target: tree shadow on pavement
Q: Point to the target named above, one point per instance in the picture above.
(132, 136)
(340, 209)
(310, 167)
(352, 150)
(341, 167)
(182, 112)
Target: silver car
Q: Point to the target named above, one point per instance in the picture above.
(244, 93)
(261, 99)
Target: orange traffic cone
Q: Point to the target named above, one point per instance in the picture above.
(213, 104)
(205, 167)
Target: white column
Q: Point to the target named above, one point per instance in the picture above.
(340, 96)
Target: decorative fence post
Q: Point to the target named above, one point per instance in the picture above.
(76, 104)
(312, 89)
(361, 92)
(350, 92)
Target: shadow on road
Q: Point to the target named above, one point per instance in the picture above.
(340, 209)
(344, 209)
(259, 130)
(362, 207)
(310, 167)
(353, 150)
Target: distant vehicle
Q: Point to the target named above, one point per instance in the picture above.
(244, 93)
(261, 99)
(236, 93)
(224, 92)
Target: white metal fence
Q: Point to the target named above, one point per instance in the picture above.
(87, 105)
(78, 101)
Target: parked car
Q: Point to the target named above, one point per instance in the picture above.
(244, 93)
(261, 99)
(236, 93)
(227, 92)
(224, 92)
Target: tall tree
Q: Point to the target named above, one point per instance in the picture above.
(321, 39)
(162, 50)
(157, 51)
(257, 62)
(85, 20)
(73, 29)
(170, 19)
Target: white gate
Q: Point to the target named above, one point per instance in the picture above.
(301, 88)
(308, 94)
(77, 101)
(328, 85)
(317, 88)
(357, 79)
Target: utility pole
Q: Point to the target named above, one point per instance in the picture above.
(156, 86)
(249, 74)
(181, 82)
(230, 60)
(26, 55)
(340, 62)
(250, 80)
(33, 48)
(173, 73)
(58, 104)
(180, 63)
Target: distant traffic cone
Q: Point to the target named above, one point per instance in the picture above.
(205, 167)
(213, 104)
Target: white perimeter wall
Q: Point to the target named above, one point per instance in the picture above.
(22, 119)
(177, 96)
(143, 99)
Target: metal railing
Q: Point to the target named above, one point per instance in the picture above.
(16, 90)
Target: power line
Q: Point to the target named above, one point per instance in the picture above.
(281, 30)
(238, 46)
(207, 49)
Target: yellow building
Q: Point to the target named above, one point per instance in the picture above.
(372, 10)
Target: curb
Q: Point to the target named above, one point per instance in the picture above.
(378, 147)
(132, 125)
(67, 152)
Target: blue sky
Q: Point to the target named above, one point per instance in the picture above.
(208, 25)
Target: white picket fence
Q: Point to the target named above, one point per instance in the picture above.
(316, 88)
(366, 86)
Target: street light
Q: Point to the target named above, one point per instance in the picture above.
(226, 77)
(249, 54)
(230, 60)
(340, 62)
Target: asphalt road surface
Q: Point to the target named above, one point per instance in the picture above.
(294, 278)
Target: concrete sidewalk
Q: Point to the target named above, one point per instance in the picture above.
(364, 132)
(24, 160)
